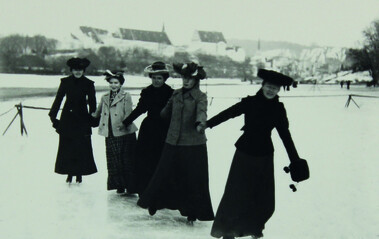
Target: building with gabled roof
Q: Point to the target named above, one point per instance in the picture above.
(211, 37)
(214, 43)
(94, 33)
(121, 38)
(141, 35)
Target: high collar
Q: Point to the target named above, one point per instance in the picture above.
(114, 92)
(263, 98)
(162, 88)
(194, 92)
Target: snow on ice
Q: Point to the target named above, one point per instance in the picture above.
(340, 200)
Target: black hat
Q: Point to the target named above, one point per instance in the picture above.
(78, 63)
(157, 67)
(191, 70)
(274, 77)
(119, 75)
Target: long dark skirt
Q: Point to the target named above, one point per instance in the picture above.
(181, 183)
(249, 198)
(120, 162)
(151, 138)
(75, 156)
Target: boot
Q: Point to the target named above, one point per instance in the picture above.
(152, 211)
(190, 220)
(79, 178)
(69, 179)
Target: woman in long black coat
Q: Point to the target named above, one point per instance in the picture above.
(75, 156)
(153, 129)
(249, 198)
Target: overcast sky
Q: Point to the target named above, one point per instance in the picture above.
(321, 22)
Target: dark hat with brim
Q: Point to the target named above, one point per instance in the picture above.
(115, 74)
(274, 77)
(156, 68)
(190, 70)
(78, 63)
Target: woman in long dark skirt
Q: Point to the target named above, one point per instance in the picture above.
(75, 157)
(120, 141)
(180, 181)
(249, 198)
(153, 129)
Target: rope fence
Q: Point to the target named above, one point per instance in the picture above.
(23, 130)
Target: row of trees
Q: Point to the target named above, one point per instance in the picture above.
(16, 51)
(23, 54)
(367, 57)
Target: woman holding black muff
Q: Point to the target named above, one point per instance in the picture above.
(249, 198)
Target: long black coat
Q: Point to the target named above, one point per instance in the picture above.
(152, 133)
(75, 156)
(261, 117)
(75, 118)
(249, 198)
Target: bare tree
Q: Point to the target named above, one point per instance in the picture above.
(367, 58)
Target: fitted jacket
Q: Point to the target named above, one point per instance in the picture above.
(261, 117)
(75, 118)
(186, 111)
(120, 108)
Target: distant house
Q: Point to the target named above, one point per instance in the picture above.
(121, 38)
(155, 41)
(214, 43)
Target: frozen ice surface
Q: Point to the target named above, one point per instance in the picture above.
(340, 200)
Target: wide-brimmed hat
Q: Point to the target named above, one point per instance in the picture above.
(274, 77)
(115, 74)
(191, 70)
(157, 67)
(78, 63)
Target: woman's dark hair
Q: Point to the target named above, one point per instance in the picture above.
(164, 75)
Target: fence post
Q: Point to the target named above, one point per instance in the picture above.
(348, 101)
(351, 99)
(22, 125)
(10, 123)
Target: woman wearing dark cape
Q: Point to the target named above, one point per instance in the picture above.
(249, 198)
(75, 156)
(153, 129)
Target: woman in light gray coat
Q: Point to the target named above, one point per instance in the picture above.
(120, 140)
(181, 180)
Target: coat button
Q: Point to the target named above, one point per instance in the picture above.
(105, 113)
(103, 124)
(115, 114)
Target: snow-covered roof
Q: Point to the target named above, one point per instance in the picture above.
(141, 35)
(93, 33)
(213, 37)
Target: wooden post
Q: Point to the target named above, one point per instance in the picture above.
(10, 123)
(355, 102)
(22, 125)
(351, 99)
(348, 101)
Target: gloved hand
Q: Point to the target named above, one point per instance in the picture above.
(55, 122)
(94, 122)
